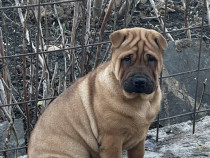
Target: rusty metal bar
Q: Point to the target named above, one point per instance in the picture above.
(38, 38)
(27, 133)
(198, 72)
(24, 102)
(84, 53)
(53, 51)
(11, 149)
(183, 29)
(181, 115)
(161, 75)
(186, 72)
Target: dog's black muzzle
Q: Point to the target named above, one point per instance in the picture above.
(139, 83)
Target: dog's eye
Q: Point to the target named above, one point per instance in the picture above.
(151, 59)
(127, 59)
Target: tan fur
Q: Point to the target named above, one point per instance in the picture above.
(95, 117)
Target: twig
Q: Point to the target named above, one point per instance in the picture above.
(10, 128)
(60, 81)
(31, 72)
(40, 82)
(60, 26)
(5, 72)
(22, 21)
(102, 32)
(15, 134)
(24, 76)
(97, 5)
(73, 35)
(46, 27)
(160, 20)
(83, 60)
(3, 101)
(54, 74)
(36, 13)
(202, 95)
(18, 107)
(27, 32)
(208, 10)
(107, 53)
(115, 16)
(124, 10)
(8, 137)
(4, 91)
(5, 16)
(88, 16)
(7, 111)
(65, 70)
(186, 19)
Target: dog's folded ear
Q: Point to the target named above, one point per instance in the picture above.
(117, 37)
(161, 42)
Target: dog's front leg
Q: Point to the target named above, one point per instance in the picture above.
(111, 146)
(137, 151)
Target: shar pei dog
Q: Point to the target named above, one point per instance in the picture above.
(111, 108)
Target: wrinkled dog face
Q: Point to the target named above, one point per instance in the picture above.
(139, 77)
(137, 54)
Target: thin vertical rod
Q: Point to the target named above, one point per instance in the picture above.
(37, 60)
(199, 59)
(24, 79)
(161, 74)
(84, 53)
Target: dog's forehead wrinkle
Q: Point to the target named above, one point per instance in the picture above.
(127, 53)
(128, 39)
(151, 39)
(153, 52)
(130, 42)
(140, 47)
(134, 41)
(134, 36)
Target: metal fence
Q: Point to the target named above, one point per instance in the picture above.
(46, 45)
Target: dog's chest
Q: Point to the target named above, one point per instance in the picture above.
(139, 124)
(135, 134)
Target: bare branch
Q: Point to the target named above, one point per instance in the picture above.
(208, 10)
(186, 19)
(160, 20)
(60, 26)
(97, 5)
(102, 32)
(73, 36)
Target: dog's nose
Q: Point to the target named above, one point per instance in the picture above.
(139, 81)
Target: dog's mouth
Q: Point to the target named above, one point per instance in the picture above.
(139, 83)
